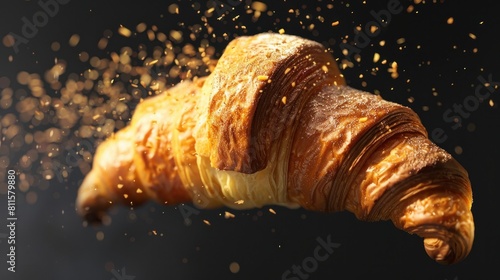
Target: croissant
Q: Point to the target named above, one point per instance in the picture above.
(275, 124)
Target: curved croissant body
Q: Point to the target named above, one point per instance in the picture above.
(274, 123)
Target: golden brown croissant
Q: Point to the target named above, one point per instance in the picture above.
(274, 123)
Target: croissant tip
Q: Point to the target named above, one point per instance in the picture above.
(91, 203)
(443, 252)
(91, 215)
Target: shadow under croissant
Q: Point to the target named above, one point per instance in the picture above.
(275, 124)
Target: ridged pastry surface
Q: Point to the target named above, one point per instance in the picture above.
(275, 124)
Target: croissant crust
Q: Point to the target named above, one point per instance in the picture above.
(275, 123)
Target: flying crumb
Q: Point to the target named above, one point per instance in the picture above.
(125, 32)
(394, 70)
(173, 9)
(283, 100)
(228, 215)
(99, 235)
(74, 40)
(234, 267)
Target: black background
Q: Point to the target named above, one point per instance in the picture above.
(53, 244)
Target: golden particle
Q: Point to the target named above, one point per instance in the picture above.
(4, 83)
(31, 197)
(176, 36)
(450, 20)
(234, 267)
(99, 235)
(173, 9)
(141, 27)
(262, 77)
(55, 46)
(259, 6)
(74, 40)
(102, 44)
(125, 32)
(8, 40)
(394, 70)
(23, 78)
(228, 215)
(84, 56)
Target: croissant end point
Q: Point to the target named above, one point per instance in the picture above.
(438, 250)
(443, 251)
(91, 203)
(91, 214)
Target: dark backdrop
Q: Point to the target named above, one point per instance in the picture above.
(438, 64)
